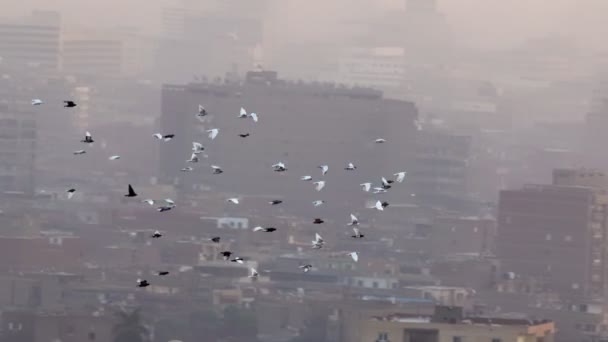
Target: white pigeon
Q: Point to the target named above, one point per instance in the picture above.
(243, 113)
(253, 273)
(213, 133)
(354, 255)
(380, 141)
(149, 201)
(279, 166)
(379, 190)
(170, 201)
(318, 203)
(193, 158)
(357, 233)
(350, 167)
(379, 206)
(319, 185)
(400, 176)
(354, 221)
(385, 182)
(324, 169)
(186, 169)
(318, 242)
(216, 169)
(254, 116)
(306, 268)
(366, 186)
(114, 157)
(233, 200)
(37, 102)
(306, 178)
(197, 147)
(166, 137)
(79, 152)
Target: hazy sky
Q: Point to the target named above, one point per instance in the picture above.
(499, 22)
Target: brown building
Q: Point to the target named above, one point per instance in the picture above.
(555, 237)
(462, 235)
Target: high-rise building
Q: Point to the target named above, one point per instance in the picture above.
(303, 125)
(17, 149)
(31, 41)
(553, 237)
(428, 6)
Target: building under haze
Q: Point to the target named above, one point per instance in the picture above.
(302, 124)
(32, 41)
(18, 136)
(553, 237)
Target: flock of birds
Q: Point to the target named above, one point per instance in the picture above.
(198, 148)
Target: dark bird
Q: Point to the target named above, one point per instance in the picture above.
(88, 139)
(165, 137)
(318, 221)
(244, 135)
(215, 239)
(162, 273)
(131, 193)
(306, 268)
(226, 255)
(275, 202)
(266, 230)
(71, 192)
(385, 204)
(201, 111)
(69, 104)
(156, 235)
(217, 170)
(142, 283)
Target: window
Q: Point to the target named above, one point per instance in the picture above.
(457, 339)
(548, 237)
(382, 337)
(375, 284)
(568, 238)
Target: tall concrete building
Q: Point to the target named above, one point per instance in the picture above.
(304, 125)
(32, 41)
(17, 149)
(553, 237)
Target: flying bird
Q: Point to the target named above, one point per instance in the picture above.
(88, 139)
(170, 201)
(253, 273)
(201, 111)
(238, 260)
(275, 202)
(37, 102)
(279, 167)
(385, 183)
(318, 203)
(242, 113)
(265, 230)
(69, 104)
(245, 135)
(254, 116)
(379, 206)
(156, 234)
(165, 137)
(318, 221)
(162, 273)
(357, 234)
(400, 176)
(79, 152)
(197, 147)
(186, 169)
(164, 208)
(142, 283)
(226, 255)
(131, 192)
(380, 141)
(306, 268)
(216, 169)
(149, 201)
(324, 169)
(379, 190)
(193, 158)
(354, 255)
(319, 185)
(366, 186)
(213, 133)
(306, 178)
(71, 193)
(350, 167)
(215, 239)
(354, 221)
(114, 157)
(318, 242)
(233, 200)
